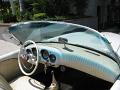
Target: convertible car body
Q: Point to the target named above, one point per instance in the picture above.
(57, 56)
(114, 39)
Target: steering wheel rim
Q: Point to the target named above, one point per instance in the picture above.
(36, 61)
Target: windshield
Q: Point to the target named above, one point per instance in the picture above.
(49, 31)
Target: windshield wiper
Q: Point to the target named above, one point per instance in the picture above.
(12, 36)
(103, 53)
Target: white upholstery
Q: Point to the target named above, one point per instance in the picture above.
(116, 85)
(26, 83)
(8, 50)
(7, 47)
(114, 39)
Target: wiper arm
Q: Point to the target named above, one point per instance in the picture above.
(47, 42)
(113, 58)
(12, 36)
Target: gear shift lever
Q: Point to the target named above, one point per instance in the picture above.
(54, 84)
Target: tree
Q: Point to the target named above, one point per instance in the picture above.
(1, 4)
(4, 7)
(50, 8)
(57, 7)
(21, 4)
(12, 7)
(0, 9)
(80, 6)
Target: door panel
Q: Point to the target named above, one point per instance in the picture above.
(10, 69)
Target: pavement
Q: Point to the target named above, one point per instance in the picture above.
(3, 30)
(4, 34)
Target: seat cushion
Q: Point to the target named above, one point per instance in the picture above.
(26, 83)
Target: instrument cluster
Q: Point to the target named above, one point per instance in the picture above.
(48, 56)
(31, 51)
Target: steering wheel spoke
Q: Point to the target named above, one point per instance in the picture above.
(28, 61)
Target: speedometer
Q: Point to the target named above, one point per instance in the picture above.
(45, 54)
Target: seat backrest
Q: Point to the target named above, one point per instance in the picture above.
(4, 85)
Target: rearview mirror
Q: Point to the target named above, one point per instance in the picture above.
(62, 40)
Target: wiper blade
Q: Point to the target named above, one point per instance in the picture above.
(12, 36)
(47, 42)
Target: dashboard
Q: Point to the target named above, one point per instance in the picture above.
(47, 55)
(82, 59)
(50, 55)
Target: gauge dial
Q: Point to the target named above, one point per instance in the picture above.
(34, 51)
(52, 58)
(28, 51)
(45, 54)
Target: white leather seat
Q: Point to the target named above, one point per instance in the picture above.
(26, 83)
(21, 83)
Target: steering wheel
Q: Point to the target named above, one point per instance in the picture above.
(28, 62)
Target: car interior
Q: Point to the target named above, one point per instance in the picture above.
(58, 65)
(11, 77)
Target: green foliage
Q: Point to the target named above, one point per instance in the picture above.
(6, 13)
(4, 7)
(7, 18)
(57, 7)
(35, 6)
(47, 9)
(0, 17)
(39, 16)
(54, 8)
(80, 6)
(61, 17)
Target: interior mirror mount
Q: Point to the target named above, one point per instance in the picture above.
(63, 41)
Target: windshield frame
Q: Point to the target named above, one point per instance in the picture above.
(114, 54)
(56, 22)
